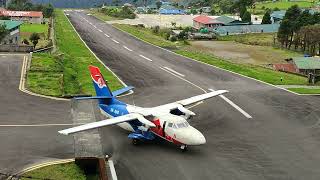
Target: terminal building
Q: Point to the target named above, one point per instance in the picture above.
(25, 16)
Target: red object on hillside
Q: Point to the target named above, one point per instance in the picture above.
(285, 67)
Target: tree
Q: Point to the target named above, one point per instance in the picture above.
(34, 38)
(246, 17)
(242, 11)
(266, 18)
(48, 11)
(158, 4)
(3, 32)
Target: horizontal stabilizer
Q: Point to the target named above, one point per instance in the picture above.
(93, 97)
(122, 91)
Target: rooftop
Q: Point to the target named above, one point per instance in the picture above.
(10, 24)
(307, 62)
(21, 13)
(206, 20)
(278, 14)
(225, 19)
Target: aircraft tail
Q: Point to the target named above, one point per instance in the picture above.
(99, 83)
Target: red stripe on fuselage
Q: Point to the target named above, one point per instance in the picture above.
(158, 130)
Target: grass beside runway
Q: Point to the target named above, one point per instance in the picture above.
(45, 75)
(67, 75)
(68, 171)
(305, 90)
(257, 72)
(102, 16)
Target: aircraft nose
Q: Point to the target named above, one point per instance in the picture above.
(196, 138)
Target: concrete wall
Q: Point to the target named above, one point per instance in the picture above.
(36, 20)
(15, 48)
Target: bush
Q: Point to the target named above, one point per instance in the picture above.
(156, 29)
(173, 38)
(25, 41)
(124, 12)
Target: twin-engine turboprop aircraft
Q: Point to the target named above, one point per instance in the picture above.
(168, 121)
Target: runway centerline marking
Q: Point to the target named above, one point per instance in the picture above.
(145, 58)
(99, 30)
(38, 125)
(127, 48)
(107, 35)
(115, 41)
(94, 26)
(235, 106)
(169, 69)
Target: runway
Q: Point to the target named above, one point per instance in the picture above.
(256, 131)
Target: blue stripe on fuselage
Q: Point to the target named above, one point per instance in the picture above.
(117, 108)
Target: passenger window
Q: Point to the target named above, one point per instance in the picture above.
(170, 124)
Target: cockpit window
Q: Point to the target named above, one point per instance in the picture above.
(183, 125)
(170, 125)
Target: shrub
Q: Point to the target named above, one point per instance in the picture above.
(25, 41)
(156, 29)
(173, 38)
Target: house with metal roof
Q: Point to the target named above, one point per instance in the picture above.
(26, 16)
(245, 29)
(205, 22)
(13, 37)
(307, 65)
(277, 16)
(229, 21)
(168, 9)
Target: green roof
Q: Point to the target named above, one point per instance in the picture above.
(10, 24)
(307, 62)
(225, 19)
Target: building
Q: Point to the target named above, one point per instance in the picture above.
(14, 31)
(277, 16)
(229, 21)
(168, 9)
(205, 22)
(26, 16)
(245, 29)
(307, 65)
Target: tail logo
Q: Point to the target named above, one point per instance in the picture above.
(101, 83)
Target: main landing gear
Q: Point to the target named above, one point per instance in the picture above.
(184, 148)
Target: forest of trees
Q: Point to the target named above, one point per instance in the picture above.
(300, 30)
(26, 5)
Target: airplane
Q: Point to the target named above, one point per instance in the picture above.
(168, 122)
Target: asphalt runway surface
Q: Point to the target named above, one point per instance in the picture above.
(280, 141)
(24, 146)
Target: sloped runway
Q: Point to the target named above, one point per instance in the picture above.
(258, 132)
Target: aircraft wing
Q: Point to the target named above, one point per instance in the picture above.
(201, 97)
(107, 122)
(181, 105)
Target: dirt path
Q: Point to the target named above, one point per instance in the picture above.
(242, 53)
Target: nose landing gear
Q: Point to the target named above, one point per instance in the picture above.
(135, 141)
(184, 148)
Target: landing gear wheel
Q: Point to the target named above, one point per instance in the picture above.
(135, 141)
(184, 148)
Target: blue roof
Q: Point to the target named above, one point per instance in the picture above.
(243, 29)
(171, 11)
(278, 14)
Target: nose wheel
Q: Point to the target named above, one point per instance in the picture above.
(135, 141)
(184, 148)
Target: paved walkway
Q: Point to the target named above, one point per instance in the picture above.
(299, 86)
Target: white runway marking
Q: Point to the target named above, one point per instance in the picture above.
(145, 58)
(127, 48)
(37, 125)
(99, 30)
(184, 80)
(107, 35)
(235, 106)
(94, 26)
(169, 69)
(115, 41)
